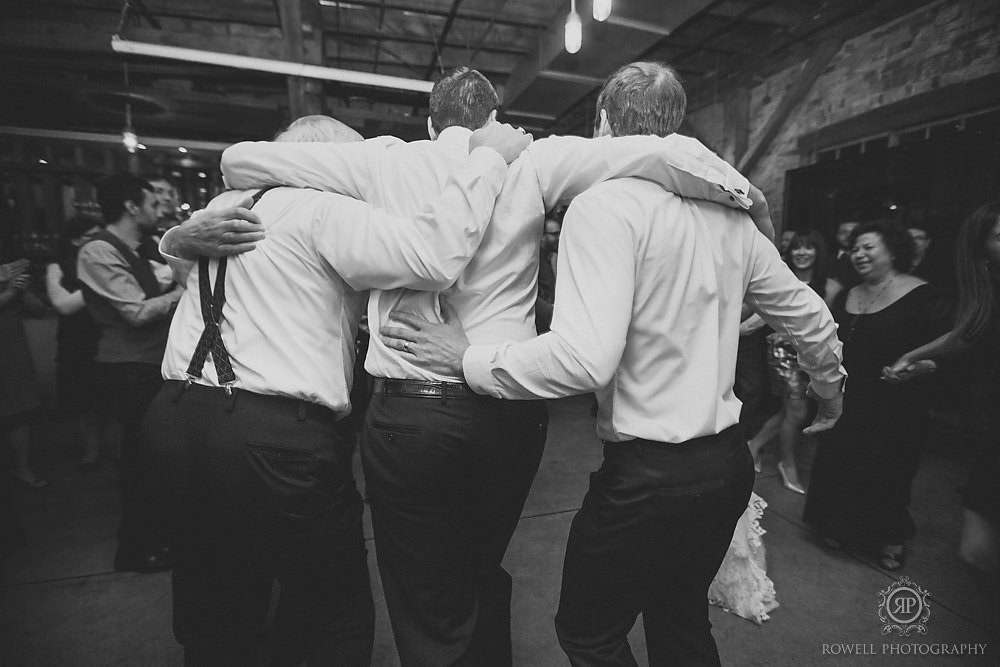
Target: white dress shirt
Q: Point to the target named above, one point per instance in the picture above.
(495, 295)
(293, 303)
(647, 314)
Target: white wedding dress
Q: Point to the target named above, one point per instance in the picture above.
(742, 586)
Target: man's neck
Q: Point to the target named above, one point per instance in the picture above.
(127, 230)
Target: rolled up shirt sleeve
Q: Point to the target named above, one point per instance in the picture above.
(792, 308)
(105, 271)
(180, 266)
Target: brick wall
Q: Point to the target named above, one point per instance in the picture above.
(937, 45)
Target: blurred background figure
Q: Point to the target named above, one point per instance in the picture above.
(19, 395)
(76, 341)
(860, 486)
(169, 212)
(807, 257)
(784, 240)
(843, 269)
(977, 335)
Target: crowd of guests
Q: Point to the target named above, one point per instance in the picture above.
(93, 366)
(896, 327)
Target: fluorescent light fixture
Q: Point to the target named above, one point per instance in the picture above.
(285, 67)
(181, 149)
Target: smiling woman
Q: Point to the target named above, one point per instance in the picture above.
(860, 486)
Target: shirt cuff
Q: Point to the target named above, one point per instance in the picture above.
(738, 187)
(476, 365)
(164, 244)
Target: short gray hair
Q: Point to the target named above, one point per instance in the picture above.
(642, 98)
(318, 128)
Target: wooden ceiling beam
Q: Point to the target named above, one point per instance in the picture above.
(818, 60)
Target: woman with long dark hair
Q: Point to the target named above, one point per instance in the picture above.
(860, 486)
(977, 331)
(807, 258)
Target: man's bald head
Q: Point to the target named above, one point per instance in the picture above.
(318, 128)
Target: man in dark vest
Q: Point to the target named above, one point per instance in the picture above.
(132, 299)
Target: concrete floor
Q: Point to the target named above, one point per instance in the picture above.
(61, 604)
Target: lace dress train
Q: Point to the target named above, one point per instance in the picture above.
(742, 586)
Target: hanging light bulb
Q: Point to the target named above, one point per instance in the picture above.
(602, 10)
(129, 140)
(574, 30)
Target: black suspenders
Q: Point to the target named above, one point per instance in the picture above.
(212, 301)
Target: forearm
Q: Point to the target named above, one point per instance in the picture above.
(340, 168)
(569, 165)
(64, 301)
(145, 312)
(944, 345)
(545, 367)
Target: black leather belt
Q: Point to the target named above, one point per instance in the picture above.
(423, 389)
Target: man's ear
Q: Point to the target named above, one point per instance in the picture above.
(130, 207)
(492, 118)
(603, 127)
(430, 130)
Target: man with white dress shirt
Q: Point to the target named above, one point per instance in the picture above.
(246, 448)
(447, 471)
(647, 314)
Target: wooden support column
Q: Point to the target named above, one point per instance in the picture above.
(302, 28)
(818, 60)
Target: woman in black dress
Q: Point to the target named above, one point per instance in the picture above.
(976, 332)
(860, 486)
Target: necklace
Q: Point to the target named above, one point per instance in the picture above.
(864, 309)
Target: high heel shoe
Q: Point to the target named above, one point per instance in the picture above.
(790, 485)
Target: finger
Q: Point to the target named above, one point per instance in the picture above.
(242, 226)
(398, 333)
(233, 238)
(399, 344)
(243, 213)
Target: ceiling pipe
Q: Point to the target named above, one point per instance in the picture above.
(285, 67)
